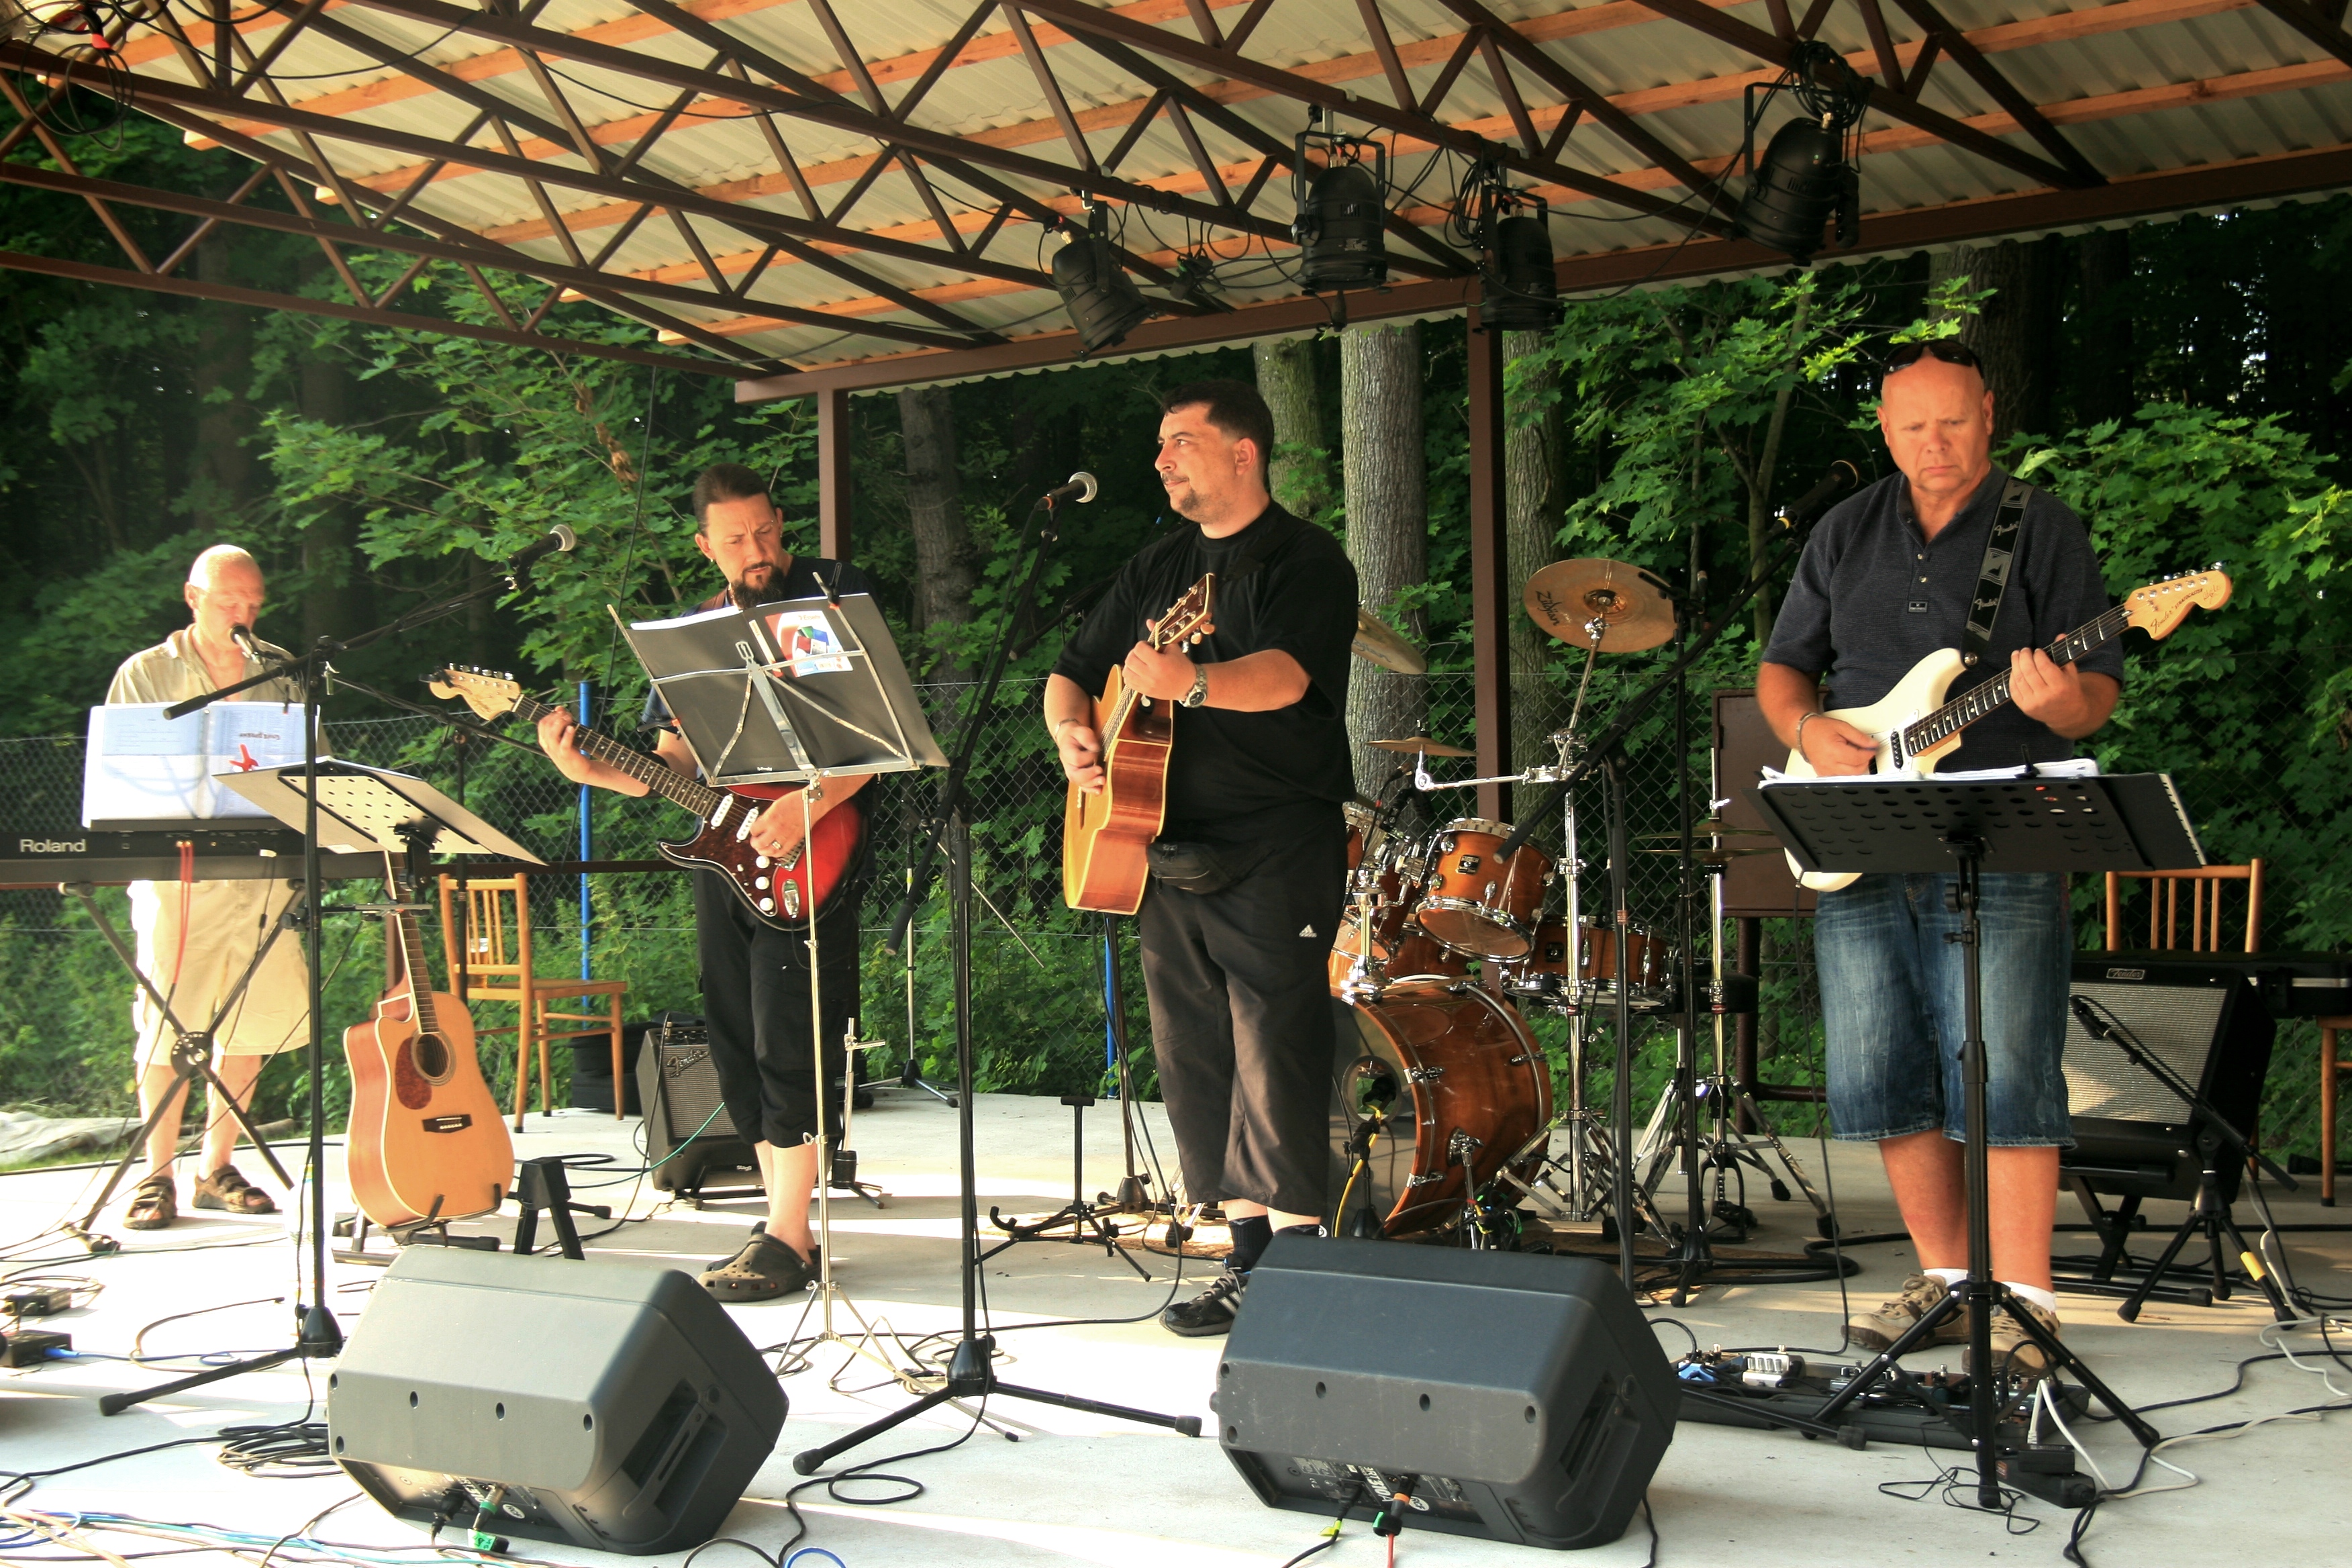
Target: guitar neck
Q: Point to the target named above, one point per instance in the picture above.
(658, 775)
(412, 962)
(1967, 708)
(1127, 701)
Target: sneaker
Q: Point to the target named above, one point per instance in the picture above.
(1877, 1331)
(1210, 1313)
(2013, 1354)
(764, 1269)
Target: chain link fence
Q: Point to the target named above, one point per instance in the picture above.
(1039, 969)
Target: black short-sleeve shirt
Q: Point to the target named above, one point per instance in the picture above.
(1872, 597)
(810, 577)
(1237, 776)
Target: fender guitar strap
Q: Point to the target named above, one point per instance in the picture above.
(1992, 577)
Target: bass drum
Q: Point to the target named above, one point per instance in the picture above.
(1453, 1075)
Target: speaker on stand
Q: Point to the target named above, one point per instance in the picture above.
(601, 1405)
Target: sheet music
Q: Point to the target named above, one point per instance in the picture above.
(139, 766)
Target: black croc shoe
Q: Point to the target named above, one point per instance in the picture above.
(764, 1269)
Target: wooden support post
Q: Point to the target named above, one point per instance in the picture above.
(833, 473)
(1490, 587)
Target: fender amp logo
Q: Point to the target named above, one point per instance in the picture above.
(2126, 974)
(679, 1063)
(457, 1124)
(52, 846)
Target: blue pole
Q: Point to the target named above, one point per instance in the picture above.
(587, 840)
(1110, 1028)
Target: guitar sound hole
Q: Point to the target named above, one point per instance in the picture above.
(432, 1056)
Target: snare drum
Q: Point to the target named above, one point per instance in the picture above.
(1472, 903)
(1647, 967)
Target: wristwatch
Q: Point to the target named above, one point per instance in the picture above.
(1200, 692)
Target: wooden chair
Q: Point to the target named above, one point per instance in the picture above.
(2205, 884)
(495, 944)
(2333, 1068)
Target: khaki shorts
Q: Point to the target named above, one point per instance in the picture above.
(225, 922)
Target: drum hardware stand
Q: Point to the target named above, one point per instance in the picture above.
(972, 1373)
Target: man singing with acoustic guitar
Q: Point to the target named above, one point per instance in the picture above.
(755, 977)
(1247, 884)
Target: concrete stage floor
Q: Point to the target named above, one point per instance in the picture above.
(1077, 1490)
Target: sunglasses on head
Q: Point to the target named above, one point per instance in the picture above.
(1951, 351)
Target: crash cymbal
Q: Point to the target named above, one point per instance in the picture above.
(1567, 597)
(1709, 856)
(1712, 826)
(1378, 643)
(1422, 743)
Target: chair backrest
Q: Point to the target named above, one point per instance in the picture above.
(2166, 927)
(494, 939)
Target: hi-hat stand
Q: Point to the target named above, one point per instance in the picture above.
(971, 1371)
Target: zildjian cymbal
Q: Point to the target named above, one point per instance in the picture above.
(1422, 743)
(1378, 643)
(1567, 597)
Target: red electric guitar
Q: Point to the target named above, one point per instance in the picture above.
(779, 892)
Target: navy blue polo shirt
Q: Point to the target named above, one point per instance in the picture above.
(1872, 597)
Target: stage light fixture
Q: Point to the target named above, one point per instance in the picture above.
(1808, 178)
(1518, 291)
(1103, 301)
(1340, 209)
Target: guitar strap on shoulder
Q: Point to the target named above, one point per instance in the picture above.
(1992, 577)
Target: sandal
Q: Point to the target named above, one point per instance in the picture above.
(226, 1189)
(760, 1228)
(154, 1204)
(764, 1269)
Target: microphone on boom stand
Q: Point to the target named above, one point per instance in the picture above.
(556, 539)
(1842, 477)
(1081, 488)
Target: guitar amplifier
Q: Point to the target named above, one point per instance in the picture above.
(2206, 1023)
(688, 1134)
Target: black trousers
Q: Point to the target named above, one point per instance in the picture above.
(1241, 1023)
(755, 1000)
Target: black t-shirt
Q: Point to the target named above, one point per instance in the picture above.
(1872, 597)
(810, 577)
(1234, 776)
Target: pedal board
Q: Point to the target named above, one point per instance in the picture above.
(1927, 1409)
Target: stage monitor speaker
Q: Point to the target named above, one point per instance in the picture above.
(1753, 885)
(1509, 1395)
(607, 1406)
(2133, 1136)
(688, 1134)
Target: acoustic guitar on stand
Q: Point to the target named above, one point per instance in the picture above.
(1915, 728)
(779, 892)
(1104, 834)
(426, 1142)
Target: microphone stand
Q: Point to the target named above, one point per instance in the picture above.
(972, 1373)
(1607, 755)
(316, 1333)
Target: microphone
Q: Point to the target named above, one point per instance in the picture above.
(244, 635)
(1842, 476)
(1081, 488)
(559, 538)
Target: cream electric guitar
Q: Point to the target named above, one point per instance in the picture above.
(1915, 727)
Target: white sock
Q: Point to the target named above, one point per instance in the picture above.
(2045, 1299)
(1949, 1276)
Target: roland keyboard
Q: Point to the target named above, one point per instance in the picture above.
(222, 854)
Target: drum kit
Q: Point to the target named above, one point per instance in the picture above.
(1443, 1114)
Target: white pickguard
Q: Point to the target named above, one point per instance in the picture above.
(1920, 693)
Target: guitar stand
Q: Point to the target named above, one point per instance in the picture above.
(541, 1185)
(417, 1233)
(1085, 1220)
(192, 1059)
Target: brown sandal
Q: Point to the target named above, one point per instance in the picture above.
(154, 1204)
(227, 1189)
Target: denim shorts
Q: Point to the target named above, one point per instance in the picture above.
(1892, 1003)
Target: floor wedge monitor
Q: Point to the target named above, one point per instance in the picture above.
(1502, 1394)
(599, 1404)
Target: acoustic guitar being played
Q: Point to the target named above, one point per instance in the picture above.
(426, 1142)
(1105, 831)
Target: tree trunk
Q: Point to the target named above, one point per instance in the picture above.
(1381, 372)
(2016, 331)
(1300, 470)
(336, 597)
(224, 462)
(2106, 336)
(1535, 501)
(944, 575)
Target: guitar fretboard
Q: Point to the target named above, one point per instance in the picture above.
(420, 983)
(1978, 701)
(658, 775)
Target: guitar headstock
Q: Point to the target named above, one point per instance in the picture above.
(1188, 620)
(2158, 607)
(490, 694)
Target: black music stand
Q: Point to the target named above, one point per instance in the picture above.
(2132, 822)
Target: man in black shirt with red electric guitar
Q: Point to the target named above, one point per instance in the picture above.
(755, 977)
(1235, 962)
